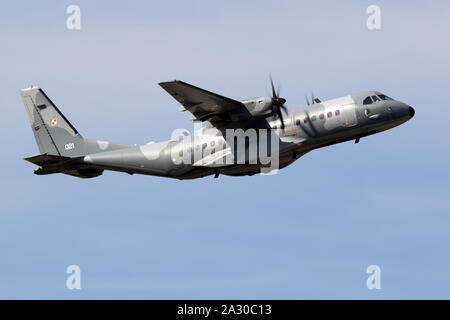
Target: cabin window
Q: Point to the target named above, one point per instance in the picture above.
(368, 100)
(337, 112)
(204, 145)
(305, 121)
(313, 118)
(375, 98)
(297, 122)
(321, 116)
(329, 114)
(212, 143)
(180, 153)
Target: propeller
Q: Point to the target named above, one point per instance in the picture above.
(278, 104)
(313, 99)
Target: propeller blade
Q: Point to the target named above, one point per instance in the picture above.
(274, 94)
(307, 101)
(283, 107)
(281, 118)
(312, 97)
(276, 110)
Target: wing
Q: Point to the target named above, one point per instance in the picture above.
(204, 105)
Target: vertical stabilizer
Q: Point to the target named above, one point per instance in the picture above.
(54, 134)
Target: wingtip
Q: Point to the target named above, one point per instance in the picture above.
(32, 87)
(165, 82)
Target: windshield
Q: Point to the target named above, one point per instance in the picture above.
(384, 97)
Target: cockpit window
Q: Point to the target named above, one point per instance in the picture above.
(375, 98)
(368, 100)
(384, 97)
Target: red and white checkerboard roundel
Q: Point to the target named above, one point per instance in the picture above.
(54, 122)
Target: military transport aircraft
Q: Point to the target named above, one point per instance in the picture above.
(264, 136)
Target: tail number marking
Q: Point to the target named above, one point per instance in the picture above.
(69, 146)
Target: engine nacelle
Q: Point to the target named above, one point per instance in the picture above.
(259, 107)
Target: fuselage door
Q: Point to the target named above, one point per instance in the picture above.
(348, 115)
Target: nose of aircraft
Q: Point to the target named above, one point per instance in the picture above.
(411, 111)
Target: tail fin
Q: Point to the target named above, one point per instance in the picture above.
(54, 134)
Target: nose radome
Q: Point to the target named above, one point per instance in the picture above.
(411, 111)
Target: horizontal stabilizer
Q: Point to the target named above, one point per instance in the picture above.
(59, 164)
(47, 160)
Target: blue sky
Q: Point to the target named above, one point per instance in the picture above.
(308, 232)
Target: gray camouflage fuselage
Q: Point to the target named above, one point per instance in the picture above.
(317, 125)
